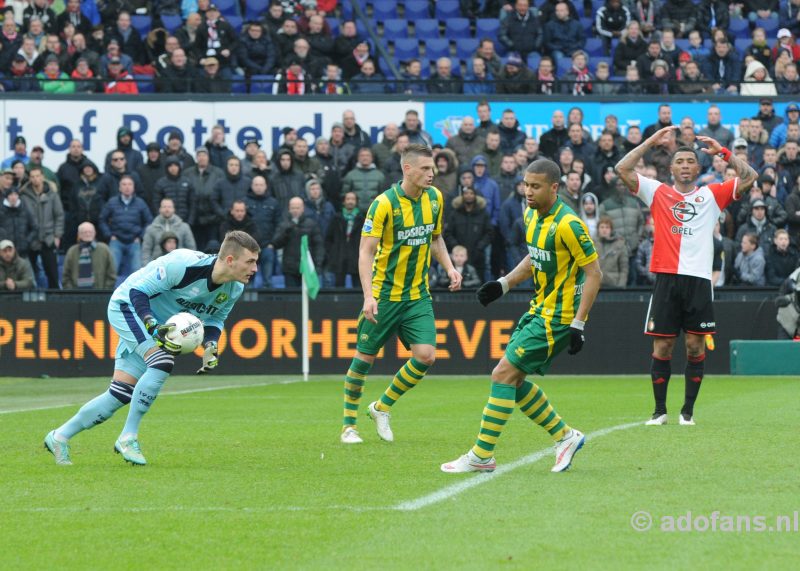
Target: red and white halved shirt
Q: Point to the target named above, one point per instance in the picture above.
(684, 224)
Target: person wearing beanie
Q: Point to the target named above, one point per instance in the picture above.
(133, 158)
(317, 208)
(151, 170)
(176, 186)
(17, 222)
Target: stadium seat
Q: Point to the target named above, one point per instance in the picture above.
(465, 47)
(417, 10)
(739, 27)
(563, 65)
(347, 8)
(487, 28)
(333, 24)
(533, 60)
(261, 83)
(406, 49)
(741, 45)
(683, 44)
(594, 47)
(361, 29)
(145, 83)
(394, 29)
(770, 25)
(426, 28)
(228, 8)
(142, 24)
(587, 24)
(434, 49)
(457, 28)
(238, 85)
(255, 9)
(384, 10)
(447, 9)
(171, 23)
(236, 22)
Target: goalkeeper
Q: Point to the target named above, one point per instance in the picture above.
(183, 280)
(566, 279)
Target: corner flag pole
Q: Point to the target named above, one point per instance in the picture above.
(304, 328)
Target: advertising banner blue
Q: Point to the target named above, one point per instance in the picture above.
(443, 119)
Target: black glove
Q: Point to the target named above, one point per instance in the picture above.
(783, 301)
(158, 333)
(491, 291)
(576, 338)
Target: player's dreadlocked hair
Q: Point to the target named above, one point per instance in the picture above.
(415, 150)
(235, 241)
(547, 168)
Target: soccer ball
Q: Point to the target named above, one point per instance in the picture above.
(188, 331)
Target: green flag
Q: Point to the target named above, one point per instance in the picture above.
(307, 269)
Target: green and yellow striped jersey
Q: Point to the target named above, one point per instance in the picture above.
(559, 245)
(406, 228)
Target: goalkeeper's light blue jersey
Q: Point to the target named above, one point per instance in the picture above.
(181, 281)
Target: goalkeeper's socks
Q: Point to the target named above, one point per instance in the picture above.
(495, 415)
(660, 371)
(406, 379)
(96, 411)
(695, 369)
(159, 366)
(533, 403)
(353, 388)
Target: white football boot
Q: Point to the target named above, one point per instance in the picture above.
(685, 420)
(350, 436)
(381, 422)
(657, 420)
(469, 462)
(566, 448)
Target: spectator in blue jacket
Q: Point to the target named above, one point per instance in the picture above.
(266, 214)
(487, 187)
(479, 80)
(564, 35)
(723, 68)
(369, 80)
(317, 208)
(510, 211)
(123, 221)
(257, 54)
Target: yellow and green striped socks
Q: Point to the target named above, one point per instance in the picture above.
(406, 379)
(353, 387)
(534, 404)
(495, 415)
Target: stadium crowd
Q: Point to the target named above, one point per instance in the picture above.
(296, 47)
(107, 220)
(87, 225)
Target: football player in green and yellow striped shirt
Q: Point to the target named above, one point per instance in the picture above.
(403, 228)
(566, 279)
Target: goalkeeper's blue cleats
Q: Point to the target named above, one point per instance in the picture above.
(128, 446)
(60, 450)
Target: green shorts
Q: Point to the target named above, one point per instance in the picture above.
(535, 343)
(411, 320)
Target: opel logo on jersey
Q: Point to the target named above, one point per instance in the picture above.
(684, 211)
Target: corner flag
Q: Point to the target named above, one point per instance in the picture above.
(307, 269)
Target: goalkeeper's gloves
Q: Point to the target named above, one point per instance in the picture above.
(576, 338)
(210, 359)
(159, 334)
(491, 291)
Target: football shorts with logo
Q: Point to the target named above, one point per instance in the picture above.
(412, 321)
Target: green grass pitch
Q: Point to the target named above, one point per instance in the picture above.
(248, 472)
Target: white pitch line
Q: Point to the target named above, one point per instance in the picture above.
(194, 509)
(166, 394)
(454, 489)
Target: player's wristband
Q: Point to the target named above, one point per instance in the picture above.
(725, 154)
(577, 324)
(504, 283)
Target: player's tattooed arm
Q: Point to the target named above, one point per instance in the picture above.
(747, 175)
(626, 167)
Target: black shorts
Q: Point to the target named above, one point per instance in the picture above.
(680, 302)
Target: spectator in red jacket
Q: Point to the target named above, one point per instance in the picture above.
(118, 80)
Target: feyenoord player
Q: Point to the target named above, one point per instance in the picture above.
(684, 216)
